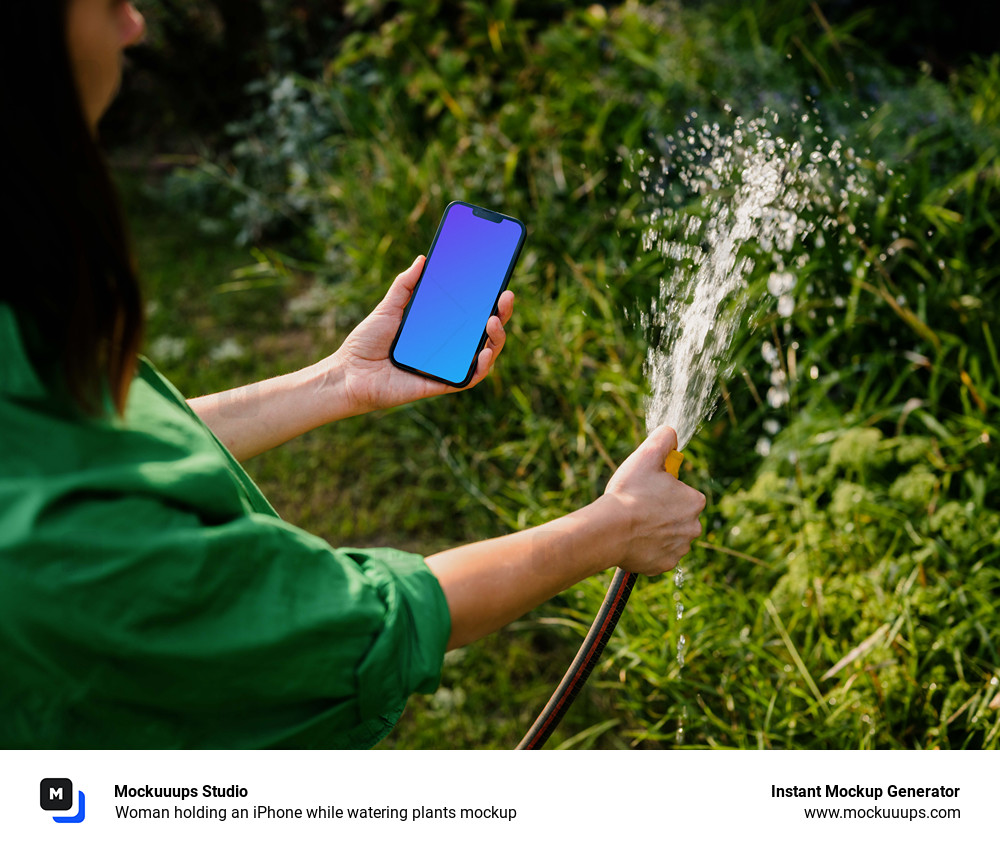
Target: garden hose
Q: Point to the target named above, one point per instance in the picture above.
(590, 650)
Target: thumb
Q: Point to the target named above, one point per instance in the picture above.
(402, 287)
(660, 443)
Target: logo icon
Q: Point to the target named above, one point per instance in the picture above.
(56, 795)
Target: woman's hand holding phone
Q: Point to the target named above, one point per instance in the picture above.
(372, 382)
(357, 378)
(438, 329)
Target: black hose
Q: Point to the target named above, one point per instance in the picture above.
(593, 645)
(586, 659)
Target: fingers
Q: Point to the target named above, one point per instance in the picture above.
(496, 335)
(402, 287)
(483, 364)
(496, 338)
(401, 291)
(690, 532)
(505, 306)
(664, 551)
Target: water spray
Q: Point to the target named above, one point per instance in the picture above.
(771, 183)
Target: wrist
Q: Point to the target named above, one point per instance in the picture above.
(608, 532)
(327, 389)
(622, 521)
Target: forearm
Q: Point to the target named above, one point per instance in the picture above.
(493, 582)
(252, 419)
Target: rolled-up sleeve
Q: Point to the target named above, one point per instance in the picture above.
(130, 622)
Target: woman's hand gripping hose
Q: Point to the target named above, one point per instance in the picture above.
(593, 645)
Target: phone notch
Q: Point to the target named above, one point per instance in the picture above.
(496, 218)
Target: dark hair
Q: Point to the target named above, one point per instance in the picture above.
(76, 295)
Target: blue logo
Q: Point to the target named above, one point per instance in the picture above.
(56, 795)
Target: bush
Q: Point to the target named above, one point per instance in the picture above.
(843, 595)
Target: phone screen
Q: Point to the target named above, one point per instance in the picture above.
(467, 267)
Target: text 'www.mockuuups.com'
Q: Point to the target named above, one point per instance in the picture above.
(867, 805)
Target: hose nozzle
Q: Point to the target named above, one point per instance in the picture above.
(673, 463)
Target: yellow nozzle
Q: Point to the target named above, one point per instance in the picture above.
(673, 463)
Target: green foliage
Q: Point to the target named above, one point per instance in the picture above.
(857, 609)
(844, 592)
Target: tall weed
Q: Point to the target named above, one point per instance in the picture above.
(843, 595)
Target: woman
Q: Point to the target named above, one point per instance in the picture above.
(149, 595)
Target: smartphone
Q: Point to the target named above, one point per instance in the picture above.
(468, 265)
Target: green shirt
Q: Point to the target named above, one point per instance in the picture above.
(150, 597)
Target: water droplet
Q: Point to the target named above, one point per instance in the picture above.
(780, 283)
(778, 396)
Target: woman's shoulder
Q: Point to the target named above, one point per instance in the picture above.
(158, 449)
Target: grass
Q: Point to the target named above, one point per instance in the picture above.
(843, 595)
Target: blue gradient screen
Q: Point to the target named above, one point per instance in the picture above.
(466, 269)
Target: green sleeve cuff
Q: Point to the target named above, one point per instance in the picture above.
(407, 654)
